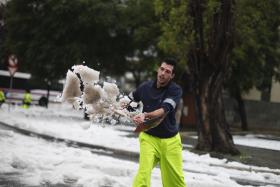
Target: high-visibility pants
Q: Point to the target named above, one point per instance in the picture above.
(168, 153)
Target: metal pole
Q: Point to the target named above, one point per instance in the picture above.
(48, 93)
(10, 89)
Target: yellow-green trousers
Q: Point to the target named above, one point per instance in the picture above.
(168, 153)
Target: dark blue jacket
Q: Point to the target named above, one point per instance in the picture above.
(154, 98)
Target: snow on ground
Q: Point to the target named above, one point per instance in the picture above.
(41, 162)
(256, 140)
(252, 140)
(68, 124)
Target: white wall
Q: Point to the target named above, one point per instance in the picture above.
(275, 92)
(253, 94)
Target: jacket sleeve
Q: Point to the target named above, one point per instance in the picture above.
(172, 98)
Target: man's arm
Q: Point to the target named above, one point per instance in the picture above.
(140, 118)
(169, 104)
(156, 113)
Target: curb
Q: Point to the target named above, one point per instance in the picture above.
(118, 153)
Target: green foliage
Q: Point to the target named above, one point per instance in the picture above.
(176, 26)
(143, 31)
(114, 36)
(177, 31)
(256, 56)
(50, 36)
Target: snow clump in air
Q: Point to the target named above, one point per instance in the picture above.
(101, 100)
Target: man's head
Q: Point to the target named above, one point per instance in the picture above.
(166, 72)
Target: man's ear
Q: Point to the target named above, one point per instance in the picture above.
(173, 75)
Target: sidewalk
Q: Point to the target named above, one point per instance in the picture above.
(249, 155)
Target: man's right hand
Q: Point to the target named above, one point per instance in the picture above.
(139, 119)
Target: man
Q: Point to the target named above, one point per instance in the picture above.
(2, 98)
(161, 144)
(27, 99)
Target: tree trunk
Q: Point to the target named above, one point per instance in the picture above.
(221, 137)
(203, 128)
(210, 68)
(241, 110)
(213, 131)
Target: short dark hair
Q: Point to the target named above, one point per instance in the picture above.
(170, 61)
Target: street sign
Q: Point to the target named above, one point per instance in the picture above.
(12, 64)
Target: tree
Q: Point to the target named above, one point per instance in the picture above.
(50, 36)
(201, 33)
(111, 36)
(143, 30)
(256, 61)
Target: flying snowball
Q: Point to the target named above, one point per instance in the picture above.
(72, 87)
(87, 74)
(84, 91)
(92, 93)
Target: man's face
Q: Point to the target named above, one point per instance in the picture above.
(164, 74)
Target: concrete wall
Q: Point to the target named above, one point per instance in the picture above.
(275, 91)
(253, 94)
(261, 115)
